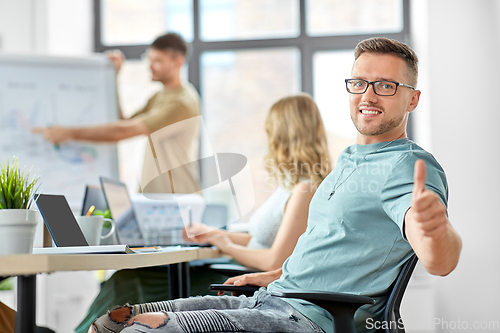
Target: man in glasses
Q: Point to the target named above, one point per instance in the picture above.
(365, 220)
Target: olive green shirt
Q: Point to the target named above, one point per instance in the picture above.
(173, 141)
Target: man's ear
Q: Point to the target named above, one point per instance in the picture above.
(415, 98)
(180, 60)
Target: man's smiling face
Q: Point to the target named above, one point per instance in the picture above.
(381, 118)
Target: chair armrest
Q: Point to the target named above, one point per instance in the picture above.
(341, 306)
(247, 290)
(328, 296)
(231, 269)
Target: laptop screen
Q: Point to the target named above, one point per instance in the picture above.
(60, 220)
(122, 211)
(93, 197)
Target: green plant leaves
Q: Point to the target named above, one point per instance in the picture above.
(15, 187)
(106, 214)
(7, 284)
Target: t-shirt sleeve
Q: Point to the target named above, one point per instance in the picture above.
(164, 115)
(146, 107)
(397, 191)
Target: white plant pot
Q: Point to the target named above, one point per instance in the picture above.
(17, 231)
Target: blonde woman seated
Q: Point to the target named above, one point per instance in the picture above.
(298, 159)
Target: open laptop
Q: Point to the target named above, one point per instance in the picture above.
(64, 229)
(130, 231)
(93, 197)
(122, 212)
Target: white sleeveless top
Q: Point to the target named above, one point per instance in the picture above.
(266, 220)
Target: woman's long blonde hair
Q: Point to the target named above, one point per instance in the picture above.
(297, 142)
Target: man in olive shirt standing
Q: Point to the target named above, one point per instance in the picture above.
(174, 104)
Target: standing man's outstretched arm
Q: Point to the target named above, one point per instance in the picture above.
(112, 132)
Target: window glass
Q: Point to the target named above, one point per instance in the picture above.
(330, 69)
(340, 17)
(238, 89)
(248, 19)
(131, 22)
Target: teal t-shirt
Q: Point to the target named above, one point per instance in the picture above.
(354, 242)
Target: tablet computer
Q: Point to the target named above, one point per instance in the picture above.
(60, 220)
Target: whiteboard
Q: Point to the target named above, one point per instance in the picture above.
(45, 91)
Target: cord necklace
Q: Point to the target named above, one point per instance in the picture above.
(335, 187)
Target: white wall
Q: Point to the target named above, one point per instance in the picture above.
(16, 26)
(460, 49)
(69, 27)
(57, 27)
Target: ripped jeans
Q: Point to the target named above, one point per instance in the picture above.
(260, 313)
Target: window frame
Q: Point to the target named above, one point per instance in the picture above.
(307, 45)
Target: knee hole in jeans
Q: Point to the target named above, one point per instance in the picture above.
(150, 320)
(120, 315)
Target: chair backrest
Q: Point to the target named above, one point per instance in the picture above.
(391, 314)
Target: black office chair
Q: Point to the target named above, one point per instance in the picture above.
(391, 313)
(343, 306)
(231, 269)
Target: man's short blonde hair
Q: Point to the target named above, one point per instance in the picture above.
(380, 45)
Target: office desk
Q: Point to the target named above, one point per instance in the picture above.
(27, 266)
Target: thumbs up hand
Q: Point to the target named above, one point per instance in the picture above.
(427, 210)
(428, 230)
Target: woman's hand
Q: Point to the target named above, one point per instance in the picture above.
(199, 233)
(223, 242)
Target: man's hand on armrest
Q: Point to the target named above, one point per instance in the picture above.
(256, 279)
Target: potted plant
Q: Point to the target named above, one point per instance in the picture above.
(17, 220)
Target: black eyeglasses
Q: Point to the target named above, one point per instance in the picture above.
(381, 88)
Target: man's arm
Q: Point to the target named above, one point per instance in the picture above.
(256, 279)
(117, 58)
(112, 132)
(428, 229)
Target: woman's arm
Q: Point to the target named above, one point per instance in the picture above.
(202, 233)
(240, 238)
(293, 225)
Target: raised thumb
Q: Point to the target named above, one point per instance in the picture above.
(419, 175)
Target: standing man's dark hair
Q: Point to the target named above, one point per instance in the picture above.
(382, 45)
(171, 42)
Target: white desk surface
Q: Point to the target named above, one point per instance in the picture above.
(22, 264)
